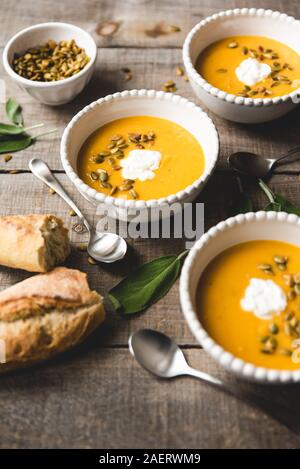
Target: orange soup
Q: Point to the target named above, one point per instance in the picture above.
(250, 66)
(248, 300)
(140, 157)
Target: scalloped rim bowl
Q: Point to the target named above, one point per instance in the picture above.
(251, 226)
(240, 21)
(134, 103)
(52, 93)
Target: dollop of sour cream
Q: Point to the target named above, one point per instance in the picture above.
(140, 164)
(251, 71)
(264, 298)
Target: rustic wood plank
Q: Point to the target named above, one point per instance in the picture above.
(101, 398)
(23, 194)
(141, 23)
(150, 69)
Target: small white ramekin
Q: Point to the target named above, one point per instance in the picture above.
(52, 93)
(262, 225)
(244, 21)
(139, 103)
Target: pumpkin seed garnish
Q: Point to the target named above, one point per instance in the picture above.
(296, 277)
(232, 45)
(174, 29)
(105, 185)
(291, 295)
(222, 70)
(7, 158)
(286, 352)
(51, 61)
(91, 260)
(179, 71)
(125, 187)
(52, 191)
(266, 268)
(94, 176)
(245, 50)
(72, 213)
(103, 176)
(81, 247)
(297, 289)
(273, 328)
(113, 190)
(133, 193)
(98, 158)
(269, 345)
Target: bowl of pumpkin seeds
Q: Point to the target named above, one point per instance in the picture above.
(53, 61)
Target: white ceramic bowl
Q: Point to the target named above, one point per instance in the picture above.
(251, 226)
(57, 92)
(135, 103)
(245, 21)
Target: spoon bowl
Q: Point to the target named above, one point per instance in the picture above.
(158, 353)
(102, 246)
(256, 166)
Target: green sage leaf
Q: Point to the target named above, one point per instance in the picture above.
(10, 129)
(17, 143)
(14, 111)
(277, 202)
(146, 285)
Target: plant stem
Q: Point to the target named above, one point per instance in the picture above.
(182, 254)
(267, 191)
(33, 127)
(44, 133)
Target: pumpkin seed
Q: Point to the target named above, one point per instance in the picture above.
(125, 187)
(174, 29)
(94, 176)
(247, 88)
(116, 137)
(103, 176)
(291, 295)
(253, 93)
(280, 259)
(266, 268)
(179, 71)
(113, 190)
(98, 159)
(52, 191)
(116, 167)
(232, 45)
(273, 328)
(245, 50)
(82, 247)
(111, 160)
(288, 280)
(7, 158)
(91, 260)
(296, 277)
(222, 70)
(297, 289)
(286, 352)
(105, 185)
(72, 213)
(133, 193)
(128, 181)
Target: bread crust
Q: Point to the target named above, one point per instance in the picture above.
(46, 315)
(33, 242)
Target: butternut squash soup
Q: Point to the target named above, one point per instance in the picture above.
(248, 300)
(250, 66)
(140, 157)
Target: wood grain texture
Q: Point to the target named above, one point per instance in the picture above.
(97, 396)
(101, 398)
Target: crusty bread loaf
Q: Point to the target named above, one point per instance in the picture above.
(45, 315)
(36, 243)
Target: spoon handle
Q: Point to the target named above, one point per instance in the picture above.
(289, 418)
(42, 171)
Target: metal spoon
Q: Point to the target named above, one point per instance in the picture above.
(104, 247)
(160, 355)
(255, 165)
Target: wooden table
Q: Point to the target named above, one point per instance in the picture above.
(97, 396)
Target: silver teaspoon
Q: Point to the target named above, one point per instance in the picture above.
(104, 247)
(160, 355)
(254, 165)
